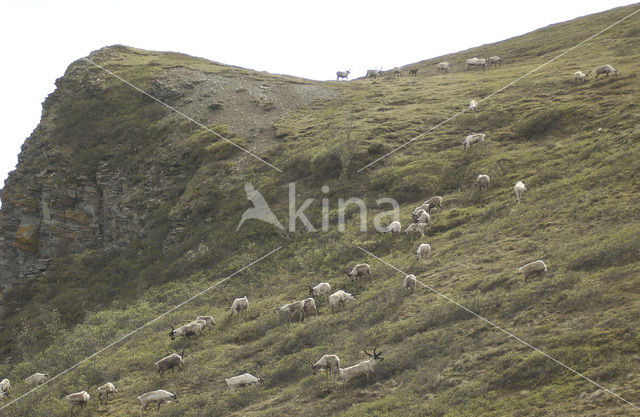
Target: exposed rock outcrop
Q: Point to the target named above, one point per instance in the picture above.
(90, 174)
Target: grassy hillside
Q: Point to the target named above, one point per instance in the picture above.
(576, 148)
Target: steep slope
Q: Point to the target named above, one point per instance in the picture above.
(575, 147)
(106, 166)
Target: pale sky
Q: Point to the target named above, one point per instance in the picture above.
(311, 39)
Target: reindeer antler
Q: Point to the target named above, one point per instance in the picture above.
(368, 354)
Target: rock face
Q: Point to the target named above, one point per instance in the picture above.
(90, 174)
(54, 213)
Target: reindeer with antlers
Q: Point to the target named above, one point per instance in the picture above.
(365, 368)
(170, 362)
(190, 329)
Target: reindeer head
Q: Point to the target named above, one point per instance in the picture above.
(376, 355)
(313, 368)
(310, 290)
(172, 333)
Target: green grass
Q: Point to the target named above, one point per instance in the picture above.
(580, 215)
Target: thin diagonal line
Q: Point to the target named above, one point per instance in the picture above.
(180, 113)
(142, 327)
(498, 90)
(489, 322)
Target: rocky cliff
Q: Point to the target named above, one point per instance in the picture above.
(104, 155)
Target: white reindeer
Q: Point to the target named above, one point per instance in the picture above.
(160, 397)
(360, 271)
(580, 77)
(78, 399)
(339, 299)
(321, 290)
(105, 390)
(330, 363)
(519, 189)
(37, 378)
(243, 380)
(409, 283)
(424, 251)
(239, 305)
(5, 387)
(365, 368)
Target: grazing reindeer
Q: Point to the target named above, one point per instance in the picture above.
(209, 321)
(519, 189)
(409, 283)
(339, 299)
(330, 363)
(293, 309)
(239, 305)
(360, 271)
(496, 61)
(483, 182)
(444, 67)
(472, 139)
(433, 202)
(190, 329)
(78, 399)
(424, 251)
(321, 290)
(105, 390)
(5, 387)
(417, 228)
(373, 73)
(242, 381)
(37, 378)
(170, 362)
(160, 397)
(605, 69)
(533, 268)
(308, 306)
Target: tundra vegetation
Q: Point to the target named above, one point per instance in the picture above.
(575, 148)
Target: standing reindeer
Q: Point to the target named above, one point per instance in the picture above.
(365, 368)
(343, 75)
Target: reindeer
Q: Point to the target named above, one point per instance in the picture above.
(330, 363)
(343, 74)
(170, 362)
(365, 368)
